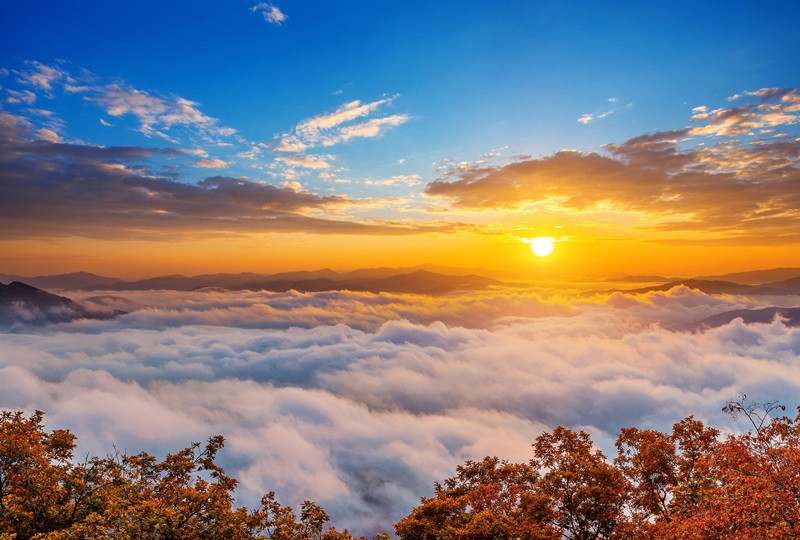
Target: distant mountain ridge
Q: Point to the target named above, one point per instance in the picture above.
(779, 288)
(73, 280)
(419, 279)
(369, 279)
(791, 316)
(22, 304)
(757, 277)
(420, 282)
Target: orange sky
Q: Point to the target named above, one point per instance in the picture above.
(572, 259)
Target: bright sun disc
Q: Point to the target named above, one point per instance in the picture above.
(542, 246)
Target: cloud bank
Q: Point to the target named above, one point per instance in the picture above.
(56, 189)
(693, 179)
(361, 401)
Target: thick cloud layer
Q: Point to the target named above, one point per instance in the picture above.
(361, 401)
(54, 189)
(692, 179)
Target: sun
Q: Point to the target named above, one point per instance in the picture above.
(542, 246)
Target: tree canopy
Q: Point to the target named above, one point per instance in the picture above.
(691, 483)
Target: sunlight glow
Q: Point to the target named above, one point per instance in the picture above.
(542, 246)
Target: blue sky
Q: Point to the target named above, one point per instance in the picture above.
(423, 118)
(470, 76)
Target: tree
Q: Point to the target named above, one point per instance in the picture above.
(662, 469)
(750, 482)
(583, 492)
(484, 500)
(43, 495)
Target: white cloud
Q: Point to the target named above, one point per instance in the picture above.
(76, 88)
(311, 127)
(40, 75)
(339, 126)
(156, 114)
(398, 179)
(586, 118)
(211, 164)
(21, 96)
(774, 107)
(334, 397)
(272, 14)
(307, 162)
(370, 128)
(48, 135)
(289, 143)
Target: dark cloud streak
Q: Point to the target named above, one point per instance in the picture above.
(58, 189)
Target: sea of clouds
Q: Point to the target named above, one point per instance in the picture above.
(361, 401)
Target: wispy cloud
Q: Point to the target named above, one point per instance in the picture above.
(307, 162)
(20, 96)
(48, 135)
(398, 179)
(271, 13)
(591, 117)
(773, 107)
(156, 114)
(339, 126)
(40, 75)
(55, 189)
(586, 118)
(211, 164)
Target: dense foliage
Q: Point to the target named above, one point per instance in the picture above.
(691, 483)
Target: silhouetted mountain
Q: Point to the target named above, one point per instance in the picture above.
(779, 288)
(757, 277)
(749, 316)
(74, 280)
(22, 304)
(708, 287)
(178, 282)
(419, 282)
(639, 279)
(369, 279)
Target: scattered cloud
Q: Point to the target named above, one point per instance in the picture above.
(370, 128)
(307, 162)
(339, 126)
(211, 164)
(586, 118)
(48, 136)
(156, 114)
(398, 179)
(40, 75)
(773, 107)
(20, 96)
(738, 189)
(271, 13)
(592, 117)
(54, 189)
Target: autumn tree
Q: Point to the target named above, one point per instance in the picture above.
(662, 470)
(687, 484)
(750, 483)
(488, 499)
(583, 493)
(44, 495)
